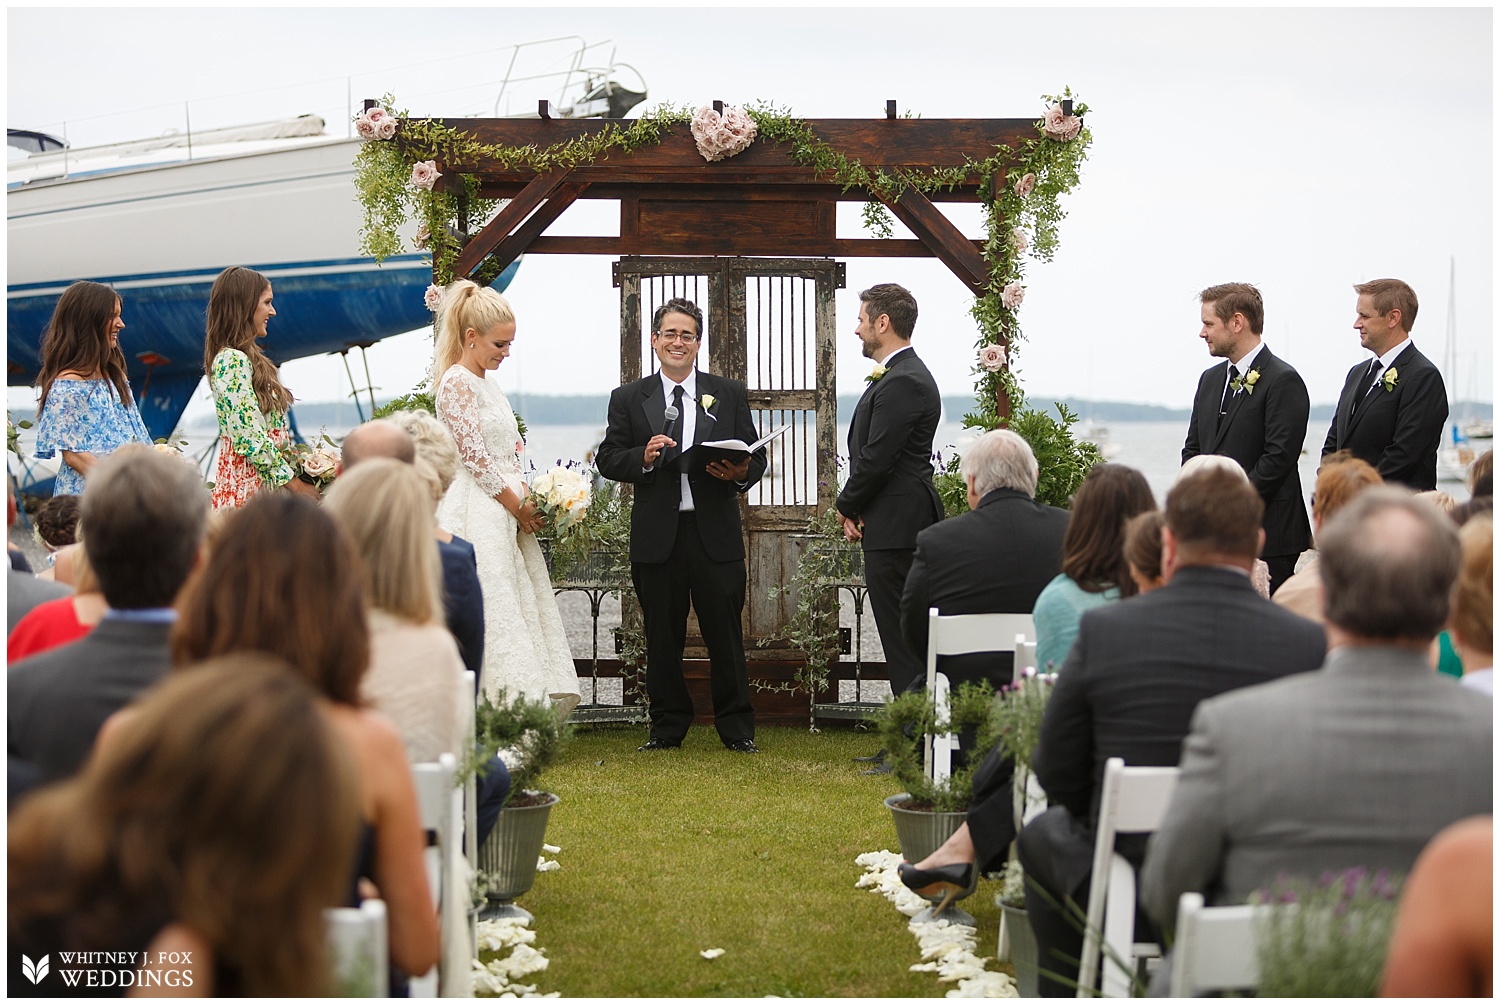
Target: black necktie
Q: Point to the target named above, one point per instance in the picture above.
(674, 428)
(1228, 389)
(1369, 383)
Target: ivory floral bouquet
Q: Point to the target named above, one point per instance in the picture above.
(563, 495)
(315, 463)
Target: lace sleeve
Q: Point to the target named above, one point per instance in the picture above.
(458, 409)
(240, 418)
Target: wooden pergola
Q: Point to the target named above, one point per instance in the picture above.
(673, 202)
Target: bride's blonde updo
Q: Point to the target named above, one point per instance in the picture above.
(465, 305)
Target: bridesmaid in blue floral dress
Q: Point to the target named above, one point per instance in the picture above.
(86, 409)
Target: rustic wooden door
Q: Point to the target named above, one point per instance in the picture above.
(769, 323)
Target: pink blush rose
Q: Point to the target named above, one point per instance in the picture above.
(424, 174)
(1012, 296)
(992, 357)
(433, 298)
(1025, 184)
(1058, 126)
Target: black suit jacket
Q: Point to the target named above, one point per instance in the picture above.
(1263, 429)
(890, 456)
(636, 413)
(1141, 666)
(1397, 431)
(57, 700)
(994, 559)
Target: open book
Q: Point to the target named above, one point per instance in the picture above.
(700, 455)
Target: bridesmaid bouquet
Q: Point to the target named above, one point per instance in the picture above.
(562, 495)
(315, 463)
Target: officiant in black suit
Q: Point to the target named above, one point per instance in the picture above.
(1393, 407)
(1253, 409)
(686, 544)
(889, 497)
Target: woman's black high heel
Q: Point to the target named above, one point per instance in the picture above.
(952, 879)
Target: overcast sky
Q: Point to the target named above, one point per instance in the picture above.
(1303, 151)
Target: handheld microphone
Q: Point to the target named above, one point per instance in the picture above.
(670, 416)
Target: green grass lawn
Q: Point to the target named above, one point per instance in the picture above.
(668, 853)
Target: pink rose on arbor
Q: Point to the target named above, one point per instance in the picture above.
(1025, 184)
(375, 124)
(992, 357)
(720, 136)
(424, 174)
(1019, 240)
(1012, 296)
(423, 238)
(1056, 125)
(433, 298)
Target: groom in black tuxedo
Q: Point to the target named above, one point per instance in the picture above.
(889, 496)
(685, 540)
(1253, 410)
(1393, 407)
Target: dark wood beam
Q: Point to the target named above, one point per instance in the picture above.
(946, 241)
(514, 245)
(868, 247)
(507, 220)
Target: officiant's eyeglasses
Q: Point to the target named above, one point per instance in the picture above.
(687, 338)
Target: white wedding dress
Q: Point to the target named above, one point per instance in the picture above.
(525, 646)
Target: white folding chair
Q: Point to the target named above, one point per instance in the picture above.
(470, 828)
(357, 950)
(1215, 947)
(955, 635)
(440, 805)
(1134, 801)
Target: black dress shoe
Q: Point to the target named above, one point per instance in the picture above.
(743, 747)
(657, 743)
(874, 758)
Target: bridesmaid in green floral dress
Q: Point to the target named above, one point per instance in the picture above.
(249, 398)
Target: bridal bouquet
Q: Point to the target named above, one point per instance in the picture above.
(315, 463)
(562, 494)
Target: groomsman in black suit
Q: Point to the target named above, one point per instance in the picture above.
(1253, 409)
(685, 539)
(1393, 407)
(889, 496)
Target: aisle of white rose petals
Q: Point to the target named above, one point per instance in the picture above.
(945, 949)
(501, 978)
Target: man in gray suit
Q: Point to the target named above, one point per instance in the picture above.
(1360, 763)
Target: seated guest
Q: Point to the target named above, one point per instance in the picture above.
(463, 604)
(23, 591)
(993, 559)
(1094, 570)
(284, 578)
(144, 513)
(1472, 625)
(1260, 575)
(1341, 477)
(376, 438)
(58, 622)
(416, 676)
(1134, 676)
(1482, 476)
(1444, 942)
(217, 822)
(1143, 550)
(1357, 765)
(57, 526)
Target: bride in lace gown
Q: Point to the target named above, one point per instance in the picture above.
(525, 646)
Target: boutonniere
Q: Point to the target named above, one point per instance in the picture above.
(706, 401)
(1389, 379)
(875, 374)
(1246, 383)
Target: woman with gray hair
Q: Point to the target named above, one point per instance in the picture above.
(463, 600)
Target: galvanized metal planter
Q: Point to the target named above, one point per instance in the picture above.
(921, 833)
(510, 855)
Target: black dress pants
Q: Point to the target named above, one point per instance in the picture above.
(716, 591)
(885, 578)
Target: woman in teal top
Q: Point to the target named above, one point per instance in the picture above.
(86, 409)
(1094, 570)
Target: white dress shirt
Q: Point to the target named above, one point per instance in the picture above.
(688, 425)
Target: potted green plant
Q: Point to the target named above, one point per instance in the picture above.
(1017, 943)
(929, 811)
(1329, 939)
(530, 736)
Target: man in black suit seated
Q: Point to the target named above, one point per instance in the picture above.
(145, 514)
(685, 539)
(1253, 410)
(1393, 407)
(889, 497)
(1132, 680)
(994, 559)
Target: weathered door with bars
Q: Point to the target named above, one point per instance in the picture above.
(770, 324)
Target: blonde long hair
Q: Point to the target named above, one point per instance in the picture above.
(387, 510)
(465, 305)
